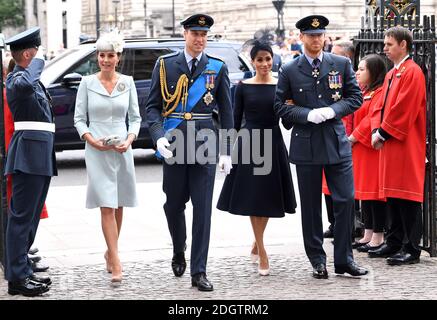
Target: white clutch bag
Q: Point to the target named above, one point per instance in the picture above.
(112, 140)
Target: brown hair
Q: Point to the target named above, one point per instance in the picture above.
(377, 70)
(399, 34)
(11, 65)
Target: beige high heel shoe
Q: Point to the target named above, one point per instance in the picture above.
(117, 274)
(263, 272)
(108, 265)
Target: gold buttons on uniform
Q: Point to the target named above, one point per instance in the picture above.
(188, 115)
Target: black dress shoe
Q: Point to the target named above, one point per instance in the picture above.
(34, 257)
(367, 247)
(402, 258)
(178, 264)
(328, 233)
(38, 267)
(357, 244)
(320, 272)
(33, 250)
(45, 280)
(27, 288)
(383, 252)
(352, 268)
(200, 281)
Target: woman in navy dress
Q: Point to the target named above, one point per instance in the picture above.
(248, 192)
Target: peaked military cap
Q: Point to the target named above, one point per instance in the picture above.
(24, 40)
(201, 22)
(312, 24)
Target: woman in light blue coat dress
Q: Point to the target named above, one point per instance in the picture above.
(104, 99)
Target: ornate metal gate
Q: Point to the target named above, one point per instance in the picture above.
(381, 15)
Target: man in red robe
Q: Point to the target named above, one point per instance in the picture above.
(399, 131)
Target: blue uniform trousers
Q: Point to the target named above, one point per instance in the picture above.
(339, 178)
(180, 183)
(29, 193)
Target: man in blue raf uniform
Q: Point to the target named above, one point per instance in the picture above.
(30, 161)
(314, 92)
(186, 88)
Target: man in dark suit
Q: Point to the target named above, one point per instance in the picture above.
(186, 88)
(314, 92)
(31, 161)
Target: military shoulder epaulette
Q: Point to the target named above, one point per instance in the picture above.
(172, 54)
(212, 57)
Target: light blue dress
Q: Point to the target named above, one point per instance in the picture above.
(111, 175)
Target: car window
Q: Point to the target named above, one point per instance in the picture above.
(229, 56)
(141, 61)
(87, 66)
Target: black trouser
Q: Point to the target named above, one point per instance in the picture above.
(405, 225)
(180, 183)
(331, 218)
(28, 196)
(340, 182)
(374, 214)
(330, 211)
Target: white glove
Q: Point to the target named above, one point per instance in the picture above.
(40, 53)
(327, 112)
(162, 145)
(315, 116)
(225, 164)
(377, 136)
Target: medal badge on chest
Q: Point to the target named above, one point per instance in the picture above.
(336, 96)
(315, 72)
(209, 85)
(335, 80)
(121, 87)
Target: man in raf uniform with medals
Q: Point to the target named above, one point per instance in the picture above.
(186, 87)
(31, 160)
(314, 92)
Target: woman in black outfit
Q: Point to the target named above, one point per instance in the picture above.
(245, 191)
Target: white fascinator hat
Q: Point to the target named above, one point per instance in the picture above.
(111, 41)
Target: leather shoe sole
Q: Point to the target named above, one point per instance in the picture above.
(45, 280)
(14, 292)
(367, 247)
(200, 287)
(400, 262)
(320, 272)
(36, 267)
(34, 258)
(356, 272)
(320, 275)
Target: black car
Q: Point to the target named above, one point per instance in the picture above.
(62, 76)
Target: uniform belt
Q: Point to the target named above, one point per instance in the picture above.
(190, 115)
(34, 125)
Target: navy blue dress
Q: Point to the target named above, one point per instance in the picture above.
(243, 192)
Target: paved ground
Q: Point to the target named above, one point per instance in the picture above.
(71, 242)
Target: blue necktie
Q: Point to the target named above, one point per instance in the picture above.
(193, 66)
(316, 63)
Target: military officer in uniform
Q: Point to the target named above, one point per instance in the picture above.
(186, 88)
(30, 161)
(314, 92)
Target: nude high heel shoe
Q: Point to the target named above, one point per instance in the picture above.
(117, 274)
(263, 272)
